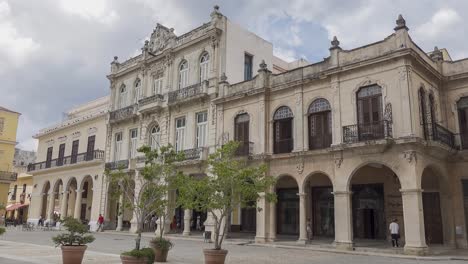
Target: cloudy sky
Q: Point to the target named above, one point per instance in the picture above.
(55, 54)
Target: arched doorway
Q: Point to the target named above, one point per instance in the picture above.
(58, 190)
(287, 207)
(320, 205)
(71, 201)
(45, 194)
(432, 186)
(376, 201)
(86, 198)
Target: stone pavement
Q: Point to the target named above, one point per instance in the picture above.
(36, 247)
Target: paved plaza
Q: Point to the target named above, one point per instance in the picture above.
(18, 247)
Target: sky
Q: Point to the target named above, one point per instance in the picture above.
(55, 54)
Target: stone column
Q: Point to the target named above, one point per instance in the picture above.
(187, 217)
(120, 214)
(50, 209)
(415, 240)
(134, 221)
(262, 222)
(302, 218)
(77, 212)
(272, 233)
(64, 203)
(343, 220)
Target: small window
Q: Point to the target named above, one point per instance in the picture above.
(180, 134)
(155, 137)
(133, 142)
(138, 93)
(183, 74)
(204, 66)
(248, 62)
(123, 97)
(202, 123)
(158, 85)
(118, 146)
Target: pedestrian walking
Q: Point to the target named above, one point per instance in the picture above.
(309, 229)
(100, 223)
(394, 232)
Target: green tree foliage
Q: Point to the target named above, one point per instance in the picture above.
(76, 235)
(154, 182)
(232, 183)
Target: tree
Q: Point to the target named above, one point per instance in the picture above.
(231, 184)
(154, 182)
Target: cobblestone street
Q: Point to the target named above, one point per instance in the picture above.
(36, 247)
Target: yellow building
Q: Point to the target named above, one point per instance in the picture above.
(8, 127)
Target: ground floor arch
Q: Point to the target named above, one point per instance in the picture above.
(287, 206)
(318, 189)
(44, 199)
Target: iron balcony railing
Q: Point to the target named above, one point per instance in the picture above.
(119, 164)
(193, 154)
(122, 114)
(245, 148)
(68, 160)
(370, 131)
(8, 176)
(437, 132)
(151, 99)
(184, 93)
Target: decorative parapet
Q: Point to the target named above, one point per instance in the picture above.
(191, 35)
(123, 113)
(8, 176)
(187, 93)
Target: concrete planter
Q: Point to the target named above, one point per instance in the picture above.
(132, 260)
(215, 256)
(73, 254)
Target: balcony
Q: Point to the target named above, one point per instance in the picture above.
(119, 164)
(283, 146)
(68, 160)
(122, 114)
(150, 103)
(365, 132)
(8, 176)
(437, 132)
(195, 154)
(191, 92)
(245, 149)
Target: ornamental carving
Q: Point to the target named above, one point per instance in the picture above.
(62, 139)
(213, 114)
(300, 165)
(92, 130)
(410, 156)
(160, 38)
(338, 159)
(388, 113)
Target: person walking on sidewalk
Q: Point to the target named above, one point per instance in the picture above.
(394, 232)
(100, 223)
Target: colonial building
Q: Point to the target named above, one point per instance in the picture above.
(20, 192)
(8, 127)
(68, 173)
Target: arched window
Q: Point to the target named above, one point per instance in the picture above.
(183, 74)
(320, 125)
(462, 106)
(283, 130)
(158, 85)
(432, 109)
(204, 66)
(369, 105)
(155, 137)
(123, 96)
(137, 94)
(423, 111)
(241, 133)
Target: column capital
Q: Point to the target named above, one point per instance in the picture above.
(301, 194)
(342, 193)
(411, 191)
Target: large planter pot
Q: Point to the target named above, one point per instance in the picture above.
(73, 254)
(133, 260)
(159, 254)
(215, 256)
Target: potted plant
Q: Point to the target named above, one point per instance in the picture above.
(138, 256)
(73, 241)
(154, 182)
(232, 183)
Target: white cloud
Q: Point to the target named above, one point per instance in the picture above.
(443, 20)
(15, 48)
(287, 55)
(98, 10)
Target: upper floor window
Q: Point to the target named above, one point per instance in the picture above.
(180, 134)
(118, 146)
(158, 85)
(241, 133)
(432, 109)
(138, 91)
(122, 96)
(133, 142)
(462, 106)
(423, 110)
(155, 137)
(283, 130)
(204, 66)
(202, 123)
(2, 125)
(183, 74)
(248, 66)
(370, 117)
(320, 125)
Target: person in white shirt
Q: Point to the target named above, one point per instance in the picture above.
(394, 232)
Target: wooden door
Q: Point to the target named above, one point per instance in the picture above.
(248, 218)
(432, 218)
(241, 134)
(90, 148)
(462, 120)
(49, 157)
(319, 130)
(74, 153)
(61, 154)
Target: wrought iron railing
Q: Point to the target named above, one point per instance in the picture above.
(370, 131)
(245, 148)
(184, 93)
(8, 176)
(193, 154)
(283, 145)
(68, 160)
(122, 114)
(151, 99)
(437, 132)
(119, 164)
